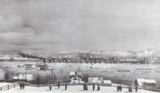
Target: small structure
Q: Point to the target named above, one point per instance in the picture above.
(107, 82)
(150, 84)
(75, 77)
(23, 76)
(42, 66)
(97, 80)
(146, 83)
(131, 61)
(140, 82)
(72, 73)
(30, 66)
(2, 75)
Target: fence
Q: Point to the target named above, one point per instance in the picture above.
(9, 86)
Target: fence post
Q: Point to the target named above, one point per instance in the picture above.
(8, 87)
(1, 88)
(14, 85)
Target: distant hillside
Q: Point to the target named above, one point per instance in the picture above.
(149, 55)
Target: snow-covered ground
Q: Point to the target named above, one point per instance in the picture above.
(71, 89)
(3, 84)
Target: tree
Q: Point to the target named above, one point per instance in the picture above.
(38, 80)
(85, 78)
(6, 76)
(85, 87)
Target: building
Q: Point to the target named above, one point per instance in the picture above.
(23, 76)
(2, 75)
(107, 82)
(30, 66)
(150, 84)
(131, 61)
(96, 80)
(146, 83)
(75, 77)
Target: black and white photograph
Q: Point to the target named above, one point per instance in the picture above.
(79, 46)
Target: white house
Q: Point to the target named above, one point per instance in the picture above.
(140, 82)
(75, 77)
(23, 76)
(2, 75)
(95, 80)
(107, 82)
(150, 84)
(146, 83)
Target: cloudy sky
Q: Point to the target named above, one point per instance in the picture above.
(55, 25)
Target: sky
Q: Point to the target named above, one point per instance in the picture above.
(48, 26)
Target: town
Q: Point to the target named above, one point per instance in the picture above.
(83, 70)
(79, 46)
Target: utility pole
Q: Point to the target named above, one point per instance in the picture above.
(25, 74)
(51, 75)
(38, 78)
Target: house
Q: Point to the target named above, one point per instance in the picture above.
(41, 66)
(75, 77)
(146, 83)
(98, 80)
(140, 82)
(130, 61)
(23, 76)
(107, 82)
(2, 75)
(75, 80)
(150, 84)
(30, 66)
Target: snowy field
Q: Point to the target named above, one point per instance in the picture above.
(125, 73)
(71, 89)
